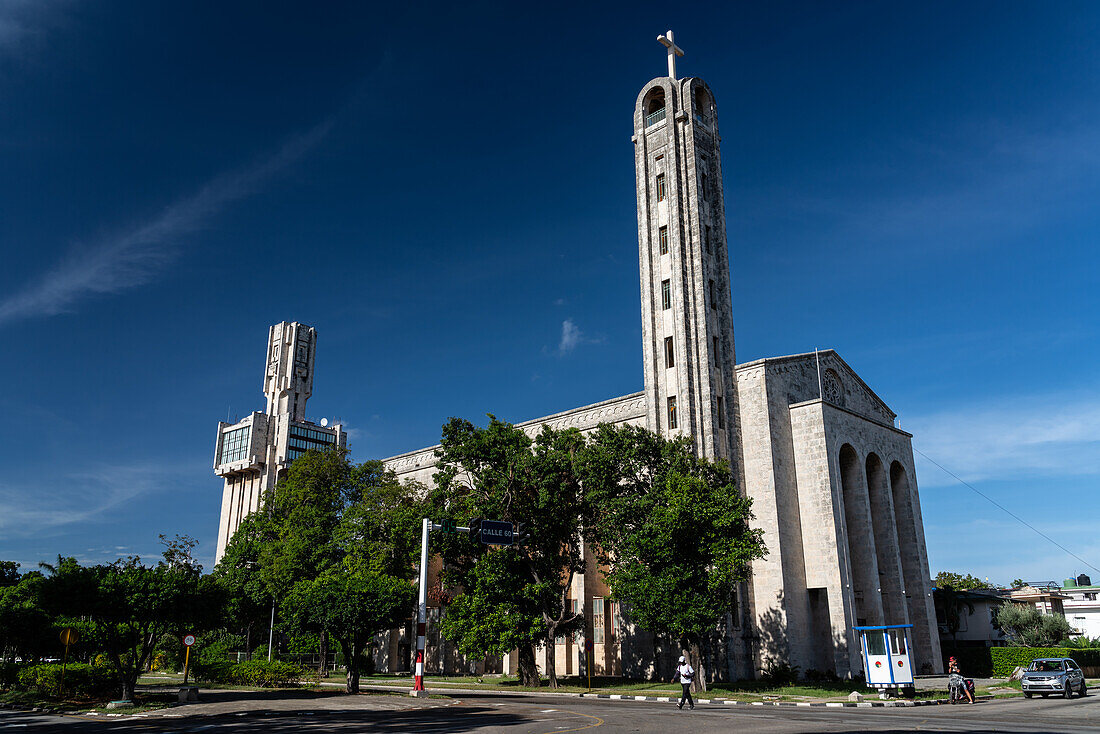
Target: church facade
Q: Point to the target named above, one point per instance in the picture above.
(831, 477)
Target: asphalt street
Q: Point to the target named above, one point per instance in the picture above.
(555, 715)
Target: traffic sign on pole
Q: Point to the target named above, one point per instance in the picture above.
(496, 532)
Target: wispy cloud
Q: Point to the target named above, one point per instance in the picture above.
(570, 337)
(1009, 438)
(136, 255)
(23, 23)
(78, 497)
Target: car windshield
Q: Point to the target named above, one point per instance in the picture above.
(1045, 666)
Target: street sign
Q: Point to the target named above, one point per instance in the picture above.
(588, 644)
(189, 640)
(69, 636)
(496, 532)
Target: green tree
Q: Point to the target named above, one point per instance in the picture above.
(367, 590)
(127, 606)
(335, 545)
(27, 632)
(1018, 583)
(513, 598)
(248, 599)
(1026, 626)
(960, 582)
(672, 530)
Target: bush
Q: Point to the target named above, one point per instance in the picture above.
(1026, 626)
(1006, 659)
(779, 673)
(81, 680)
(268, 674)
(9, 675)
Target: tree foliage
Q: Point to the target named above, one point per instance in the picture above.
(1024, 625)
(513, 597)
(126, 606)
(334, 545)
(960, 582)
(673, 531)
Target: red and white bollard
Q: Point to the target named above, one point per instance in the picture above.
(422, 612)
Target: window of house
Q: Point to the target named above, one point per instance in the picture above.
(597, 620)
(660, 187)
(717, 354)
(666, 295)
(706, 237)
(663, 237)
(672, 412)
(703, 191)
(721, 413)
(713, 296)
(616, 617)
(575, 607)
(670, 355)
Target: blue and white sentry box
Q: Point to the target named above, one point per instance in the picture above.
(886, 661)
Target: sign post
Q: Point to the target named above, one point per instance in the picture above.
(188, 641)
(68, 637)
(489, 532)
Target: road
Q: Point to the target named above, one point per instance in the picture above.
(557, 715)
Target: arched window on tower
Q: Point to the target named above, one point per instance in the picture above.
(704, 106)
(654, 107)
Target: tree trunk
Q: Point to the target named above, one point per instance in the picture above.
(322, 667)
(248, 643)
(695, 657)
(551, 655)
(352, 661)
(528, 671)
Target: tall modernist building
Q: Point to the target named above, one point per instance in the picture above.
(252, 453)
(831, 477)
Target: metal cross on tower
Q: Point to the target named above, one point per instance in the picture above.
(668, 42)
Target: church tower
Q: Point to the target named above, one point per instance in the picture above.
(687, 319)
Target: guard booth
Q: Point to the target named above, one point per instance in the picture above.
(886, 663)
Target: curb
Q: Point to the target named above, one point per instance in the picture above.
(901, 703)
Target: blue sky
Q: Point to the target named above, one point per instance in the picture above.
(446, 193)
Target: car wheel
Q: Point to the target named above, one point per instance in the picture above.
(1084, 689)
(1028, 694)
(1067, 691)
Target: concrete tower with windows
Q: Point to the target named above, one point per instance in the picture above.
(687, 319)
(252, 453)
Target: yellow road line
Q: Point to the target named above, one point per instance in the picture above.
(599, 722)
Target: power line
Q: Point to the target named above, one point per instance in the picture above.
(1006, 510)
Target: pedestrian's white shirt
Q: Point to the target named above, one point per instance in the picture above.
(686, 671)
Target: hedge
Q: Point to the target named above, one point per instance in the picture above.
(81, 680)
(268, 674)
(1006, 659)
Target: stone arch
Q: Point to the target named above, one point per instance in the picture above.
(704, 103)
(909, 547)
(886, 542)
(863, 573)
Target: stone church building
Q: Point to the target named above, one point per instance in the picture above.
(831, 477)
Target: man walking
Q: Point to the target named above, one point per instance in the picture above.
(686, 674)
